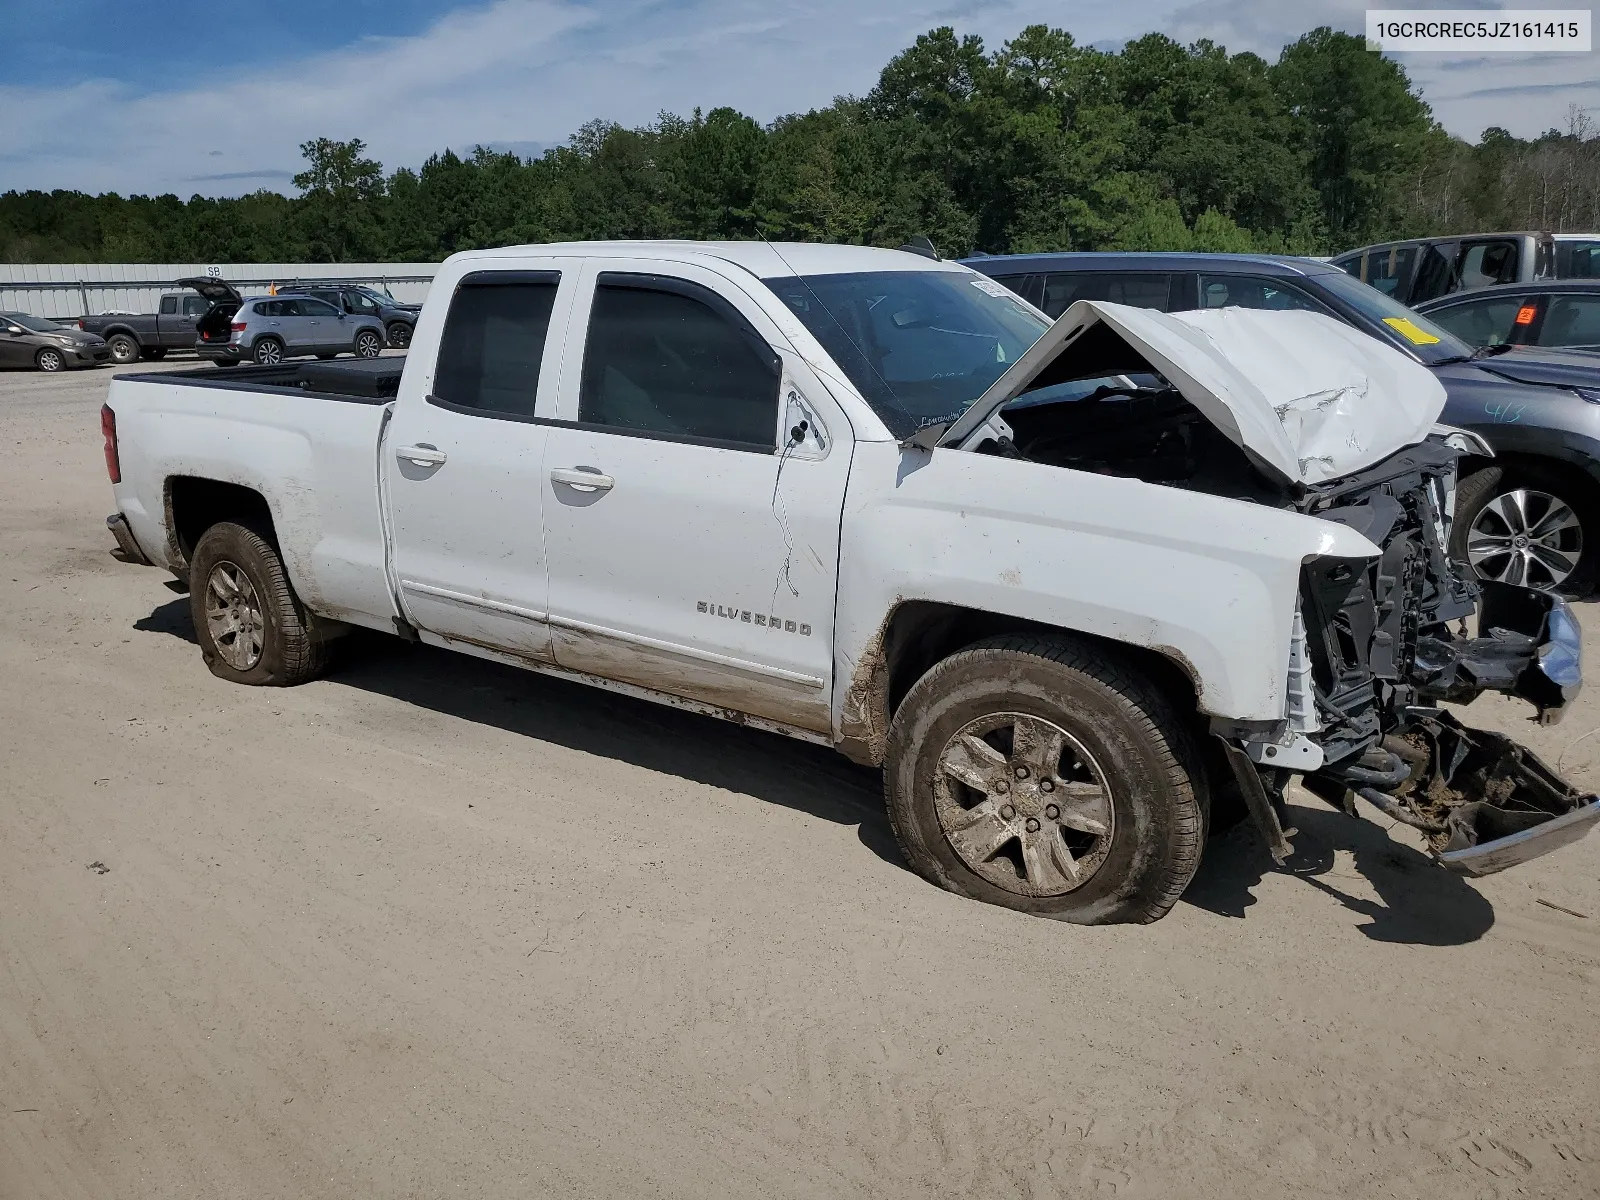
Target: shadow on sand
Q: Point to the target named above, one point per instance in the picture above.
(1419, 903)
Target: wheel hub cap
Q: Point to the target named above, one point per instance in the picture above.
(1024, 804)
(1526, 537)
(233, 616)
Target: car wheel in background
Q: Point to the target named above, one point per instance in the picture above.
(368, 344)
(124, 349)
(269, 351)
(1047, 776)
(326, 357)
(153, 353)
(251, 627)
(399, 335)
(1529, 524)
(50, 360)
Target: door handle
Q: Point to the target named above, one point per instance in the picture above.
(582, 479)
(422, 455)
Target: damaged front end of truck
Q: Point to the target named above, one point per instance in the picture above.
(1301, 413)
(1379, 646)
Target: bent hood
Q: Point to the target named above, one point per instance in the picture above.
(1309, 398)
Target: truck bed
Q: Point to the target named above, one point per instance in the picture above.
(359, 380)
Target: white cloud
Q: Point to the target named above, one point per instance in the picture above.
(517, 72)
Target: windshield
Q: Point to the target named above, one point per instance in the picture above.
(920, 346)
(37, 324)
(376, 297)
(1407, 329)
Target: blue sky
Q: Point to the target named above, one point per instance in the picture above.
(215, 97)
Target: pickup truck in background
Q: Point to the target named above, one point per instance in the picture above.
(171, 327)
(875, 501)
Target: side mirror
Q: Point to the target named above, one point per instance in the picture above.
(341, 316)
(14, 330)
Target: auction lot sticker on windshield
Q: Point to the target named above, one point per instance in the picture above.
(1515, 30)
(1409, 330)
(990, 288)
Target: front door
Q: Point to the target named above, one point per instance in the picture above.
(463, 467)
(693, 539)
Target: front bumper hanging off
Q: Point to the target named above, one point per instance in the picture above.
(1483, 802)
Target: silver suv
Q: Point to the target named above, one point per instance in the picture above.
(269, 329)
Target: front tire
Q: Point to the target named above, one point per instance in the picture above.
(50, 360)
(251, 627)
(124, 349)
(1533, 524)
(1042, 775)
(400, 335)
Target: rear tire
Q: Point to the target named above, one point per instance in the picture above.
(1130, 768)
(251, 627)
(268, 351)
(124, 349)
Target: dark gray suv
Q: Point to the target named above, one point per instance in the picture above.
(1530, 515)
(361, 300)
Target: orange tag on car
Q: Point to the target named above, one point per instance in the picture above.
(1525, 314)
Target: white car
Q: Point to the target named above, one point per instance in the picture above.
(1071, 585)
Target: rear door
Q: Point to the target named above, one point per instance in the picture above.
(463, 467)
(1570, 319)
(693, 541)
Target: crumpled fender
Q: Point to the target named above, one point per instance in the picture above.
(1207, 581)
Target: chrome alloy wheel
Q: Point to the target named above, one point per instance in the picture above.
(1526, 537)
(268, 353)
(234, 617)
(51, 360)
(1023, 804)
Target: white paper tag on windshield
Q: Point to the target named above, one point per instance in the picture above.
(990, 287)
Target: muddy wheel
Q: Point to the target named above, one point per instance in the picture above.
(1035, 774)
(124, 349)
(1532, 524)
(251, 627)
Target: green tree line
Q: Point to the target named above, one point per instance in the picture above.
(1042, 144)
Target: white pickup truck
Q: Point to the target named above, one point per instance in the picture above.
(1073, 586)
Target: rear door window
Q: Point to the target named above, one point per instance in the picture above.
(1578, 260)
(1252, 291)
(1484, 264)
(1141, 289)
(1571, 321)
(195, 306)
(493, 344)
(668, 357)
(1490, 321)
(169, 306)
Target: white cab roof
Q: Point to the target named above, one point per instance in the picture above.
(765, 260)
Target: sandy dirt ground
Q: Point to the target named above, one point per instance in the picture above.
(431, 927)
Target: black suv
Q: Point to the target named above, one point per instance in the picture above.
(1529, 515)
(360, 299)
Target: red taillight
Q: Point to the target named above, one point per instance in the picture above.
(237, 327)
(108, 427)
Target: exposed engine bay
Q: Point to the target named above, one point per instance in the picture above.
(1377, 646)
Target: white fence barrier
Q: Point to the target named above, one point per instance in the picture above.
(80, 289)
